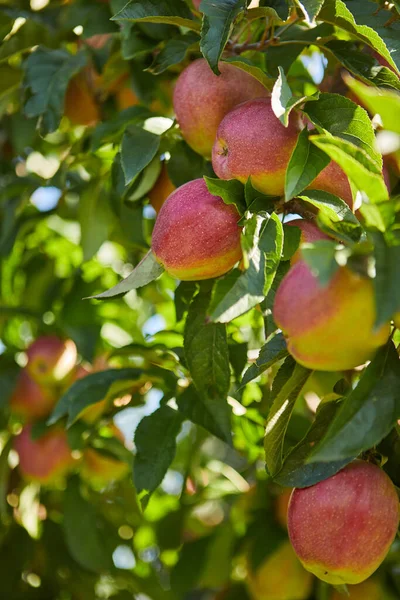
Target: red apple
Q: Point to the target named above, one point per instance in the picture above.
(30, 400)
(50, 359)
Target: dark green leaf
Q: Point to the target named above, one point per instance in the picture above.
(387, 278)
(206, 351)
(305, 164)
(112, 129)
(231, 191)
(212, 415)
(88, 391)
(146, 271)
(94, 218)
(47, 73)
(295, 471)
(279, 416)
(273, 351)
(185, 164)
(264, 248)
(217, 23)
(173, 52)
(367, 414)
(171, 12)
(83, 531)
(138, 149)
(155, 441)
(291, 241)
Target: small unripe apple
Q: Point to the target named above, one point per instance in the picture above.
(196, 235)
(202, 99)
(161, 189)
(309, 233)
(280, 577)
(80, 105)
(50, 359)
(30, 400)
(332, 327)
(100, 469)
(367, 590)
(45, 459)
(342, 528)
(252, 142)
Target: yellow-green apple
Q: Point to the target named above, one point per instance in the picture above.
(309, 233)
(196, 235)
(252, 142)
(332, 327)
(44, 459)
(280, 577)
(161, 189)
(368, 590)
(50, 359)
(30, 400)
(202, 99)
(342, 528)
(100, 469)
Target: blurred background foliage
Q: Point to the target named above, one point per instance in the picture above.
(70, 227)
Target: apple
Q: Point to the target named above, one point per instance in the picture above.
(330, 328)
(45, 459)
(202, 99)
(30, 400)
(196, 235)
(252, 142)
(51, 359)
(161, 189)
(342, 528)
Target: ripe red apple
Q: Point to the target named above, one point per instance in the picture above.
(309, 233)
(30, 400)
(333, 180)
(342, 528)
(202, 99)
(45, 459)
(101, 469)
(252, 142)
(196, 235)
(51, 359)
(329, 328)
(280, 577)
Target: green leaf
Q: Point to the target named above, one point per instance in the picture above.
(305, 164)
(321, 258)
(217, 24)
(94, 219)
(387, 278)
(367, 414)
(113, 129)
(334, 215)
(138, 148)
(47, 73)
(231, 191)
(273, 351)
(206, 351)
(282, 99)
(213, 416)
(173, 52)
(384, 103)
(366, 23)
(342, 118)
(84, 531)
(30, 34)
(292, 236)
(279, 416)
(359, 168)
(171, 12)
(246, 65)
(185, 164)
(146, 271)
(295, 471)
(155, 441)
(89, 390)
(310, 8)
(361, 64)
(264, 249)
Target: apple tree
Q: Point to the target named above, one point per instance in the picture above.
(199, 299)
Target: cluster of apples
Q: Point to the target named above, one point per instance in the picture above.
(341, 528)
(51, 368)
